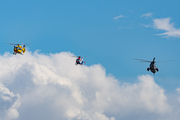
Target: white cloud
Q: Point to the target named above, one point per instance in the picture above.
(120, 16)
(164, 24)
(52, 87)
(147, 15)
(9, 102)
(146, 25)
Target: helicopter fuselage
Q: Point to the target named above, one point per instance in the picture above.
(79, 61)
(19, 49)
(152, 67)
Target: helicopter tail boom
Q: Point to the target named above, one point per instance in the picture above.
(24, 50)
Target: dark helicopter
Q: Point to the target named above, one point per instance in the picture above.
(152, 66)
(79, 60)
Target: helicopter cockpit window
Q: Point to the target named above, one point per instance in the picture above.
(17, 48)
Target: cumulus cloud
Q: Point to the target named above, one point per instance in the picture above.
(164, 24)
(37, 86)
(147, 15)
(9, 102)
(120, 16)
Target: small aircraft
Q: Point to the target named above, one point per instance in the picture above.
(152, 66)
(79, 60)
(18, 49)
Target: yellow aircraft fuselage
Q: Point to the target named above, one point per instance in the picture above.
(19, 49)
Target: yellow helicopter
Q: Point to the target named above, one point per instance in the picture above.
(18, 48)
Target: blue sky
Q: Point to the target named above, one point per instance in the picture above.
(93, 28)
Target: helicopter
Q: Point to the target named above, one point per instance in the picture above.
(79, 60)
(152, 66)
(18, 48)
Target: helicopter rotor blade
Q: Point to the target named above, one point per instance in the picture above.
(80, 56)
(18, 44)
(12, 44)
(141, 60)
(165, 61)
(85, 57)
(26, 44)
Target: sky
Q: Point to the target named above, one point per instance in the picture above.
(111, 33)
